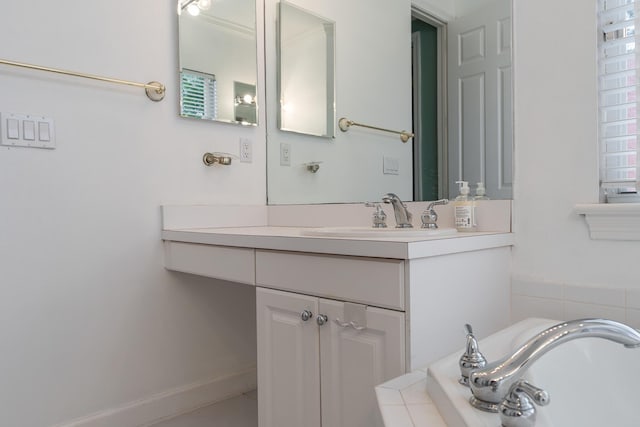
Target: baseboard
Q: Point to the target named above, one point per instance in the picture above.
(171, 403)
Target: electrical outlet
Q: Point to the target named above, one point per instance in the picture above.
(246, 150)
(285, 154)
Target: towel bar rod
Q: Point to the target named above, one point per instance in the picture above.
(154, 90)
(345, 123)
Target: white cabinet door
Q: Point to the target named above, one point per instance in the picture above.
(288, 360)
(355, 361)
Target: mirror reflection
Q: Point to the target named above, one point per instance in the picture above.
(372, 86)
(452, 88)
(480, 96)
(305, 72)
(217, 59)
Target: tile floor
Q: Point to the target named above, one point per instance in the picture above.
(241, 411)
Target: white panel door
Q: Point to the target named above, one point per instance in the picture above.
(288, 360)
(480, 99)
(355, 361)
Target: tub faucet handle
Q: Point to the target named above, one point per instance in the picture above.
(472, 358)
(517, 409)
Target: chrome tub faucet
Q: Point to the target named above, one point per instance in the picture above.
(472, 357)
(499, 387)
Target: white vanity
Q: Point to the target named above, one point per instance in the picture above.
(337, 316)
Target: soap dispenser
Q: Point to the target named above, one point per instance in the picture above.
(464, 209)
(481, 192)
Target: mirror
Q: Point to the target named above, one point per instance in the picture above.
(480, 96)
(304, 168)
(469, 102)
(217, 60)
(305, 72)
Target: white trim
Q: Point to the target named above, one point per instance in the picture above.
(619, 221)
(433, 10)
(170, 403)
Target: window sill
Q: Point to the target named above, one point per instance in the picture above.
(613, 221)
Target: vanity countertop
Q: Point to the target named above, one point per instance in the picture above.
(292, 239)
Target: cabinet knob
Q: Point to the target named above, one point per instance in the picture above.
(306, 315)
(322, 319)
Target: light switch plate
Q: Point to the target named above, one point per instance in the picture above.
(390, 166)
(26, 130)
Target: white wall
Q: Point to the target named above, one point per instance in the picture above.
(89, 318)
(556, 150)
(446, 10)
(466, 7)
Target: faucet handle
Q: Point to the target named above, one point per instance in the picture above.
(430, 216)
(436, 203)
(517, 409)
(471, 359)
(378, 217)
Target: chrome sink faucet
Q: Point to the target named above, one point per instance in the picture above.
(496, 386)
(402, 214)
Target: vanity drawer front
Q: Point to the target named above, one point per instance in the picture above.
(219, 262)
(378, 282)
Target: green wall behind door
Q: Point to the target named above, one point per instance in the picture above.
(429, 98)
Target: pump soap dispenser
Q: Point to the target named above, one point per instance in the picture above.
(464, 208)
(481, 192)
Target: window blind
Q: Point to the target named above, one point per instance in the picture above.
(618, 100)
(198, 94)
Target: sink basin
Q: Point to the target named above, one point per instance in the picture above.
(377, 232)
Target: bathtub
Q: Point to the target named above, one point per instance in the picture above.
(592, 382)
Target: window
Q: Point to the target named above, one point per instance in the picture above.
(618, 100)
(198, 97)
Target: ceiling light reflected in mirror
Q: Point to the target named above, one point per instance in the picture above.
(194, 6)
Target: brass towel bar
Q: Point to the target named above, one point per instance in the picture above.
(345, 123)
(154, 90)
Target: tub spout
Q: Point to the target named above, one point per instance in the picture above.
(491, 384)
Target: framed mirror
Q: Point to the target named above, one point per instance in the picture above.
(217, 60)
(306, 72)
